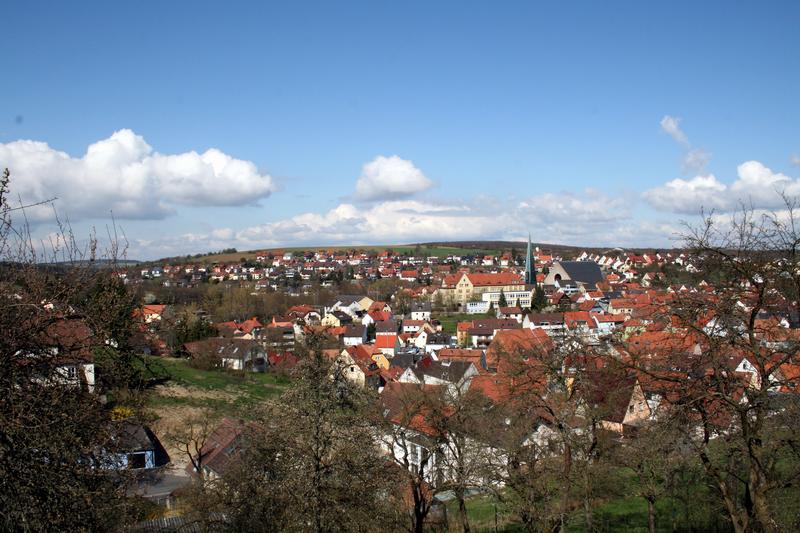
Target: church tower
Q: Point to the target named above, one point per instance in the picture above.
(530, 273)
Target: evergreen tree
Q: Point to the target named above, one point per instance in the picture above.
(539, 299)
(502, 301)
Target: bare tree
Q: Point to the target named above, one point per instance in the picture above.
(410, 442)
(191, 437)
(57, 443)
(309, 462)
(735, 384)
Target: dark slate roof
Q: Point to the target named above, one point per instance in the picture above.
(386, 326)
(354, 330)
(421, 306)
(134, 437)
(550, 318)
(348, 299)
(450, 371)
(407, 358)
(439, 338)
(586, 272)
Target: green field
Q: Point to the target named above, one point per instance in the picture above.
(449, 322)
(425, 250)
(225, 392)
(620, 514)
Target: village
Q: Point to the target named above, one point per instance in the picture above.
(406, 326)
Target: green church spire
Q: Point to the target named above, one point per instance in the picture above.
(530, 275)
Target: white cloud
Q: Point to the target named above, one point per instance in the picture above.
(671, 125)
(592, 207)
(386, 178)
(588, 218)
(757, 186)
(125, 175)
(795, 159)
(392, 221)
(688, 196)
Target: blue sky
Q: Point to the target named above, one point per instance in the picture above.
(571, 120)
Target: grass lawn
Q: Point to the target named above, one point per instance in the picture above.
(449, 322)
(225, 392)
(482, 511)
(619, 514)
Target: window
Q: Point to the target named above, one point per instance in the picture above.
(72, 372)
(137, 460)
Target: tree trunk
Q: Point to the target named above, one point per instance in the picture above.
(761, 508)
(651, 514)
(419, 521)
(462, 511)
(565, 488)
(587, 511)
(587, 502)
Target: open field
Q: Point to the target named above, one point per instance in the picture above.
(230, 393)
(449, 322)
(191, 392)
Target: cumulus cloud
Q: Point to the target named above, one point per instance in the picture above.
(125, 175)
(757, 186)
(388, 178)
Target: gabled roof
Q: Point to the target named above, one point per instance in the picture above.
(354, 330)
(609, 391)
(227, 348)
(490, 279)
(451, 371)
(586, 272)
(386, 341)
(221, 446)
(517, 343)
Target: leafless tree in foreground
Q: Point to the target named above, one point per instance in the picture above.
(56, 439)
(735, 385)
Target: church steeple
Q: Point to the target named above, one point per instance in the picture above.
(530, 274)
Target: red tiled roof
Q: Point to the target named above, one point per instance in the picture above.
(484, 279)
(386, 341)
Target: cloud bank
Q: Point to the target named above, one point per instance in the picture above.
(583, 218)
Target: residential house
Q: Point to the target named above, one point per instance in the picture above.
(616, 397)
(455, 374)
(354, 334)
(219, 450)
(552, 323)
(232, 353)
(514, 313)
(421, 311)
